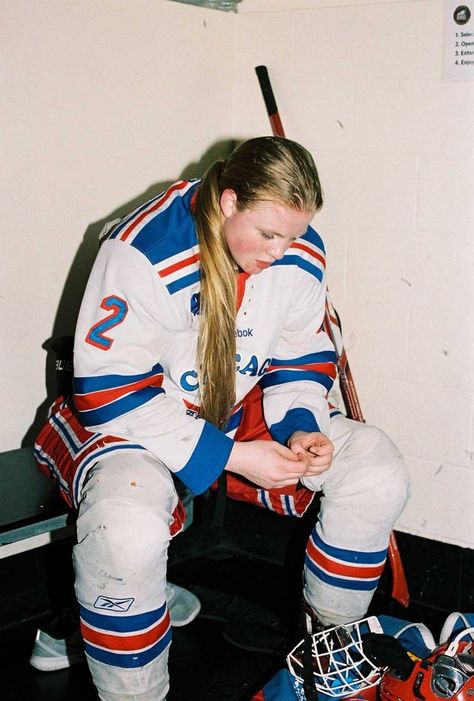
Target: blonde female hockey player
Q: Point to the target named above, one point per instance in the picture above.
(198, 351)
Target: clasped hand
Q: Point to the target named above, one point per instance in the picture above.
(314, 448)
(272, 465)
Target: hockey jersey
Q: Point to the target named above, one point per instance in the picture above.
(135, 377)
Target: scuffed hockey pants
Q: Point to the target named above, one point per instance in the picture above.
(123, 536)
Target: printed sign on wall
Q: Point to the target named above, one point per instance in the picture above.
(459, 40)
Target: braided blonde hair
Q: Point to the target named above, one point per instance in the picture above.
(266, 168)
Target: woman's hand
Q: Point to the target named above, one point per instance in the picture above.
(315, 448)
(267, 463)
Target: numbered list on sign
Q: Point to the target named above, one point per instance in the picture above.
(459, 41)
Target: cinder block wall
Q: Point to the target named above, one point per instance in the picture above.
(360, 84)
(105, 101)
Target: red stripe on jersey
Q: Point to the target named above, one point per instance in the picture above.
(302, 247)
(275, 501)
(93, 400)
(126, 643)
(332, 315)
(178, 186)
(344, 569)
(177, 266)
(241, 280)
(323, 368)
(195, 407)
(192, 407)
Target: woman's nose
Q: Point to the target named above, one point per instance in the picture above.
(277, 249)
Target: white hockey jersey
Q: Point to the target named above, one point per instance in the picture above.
(135, 377)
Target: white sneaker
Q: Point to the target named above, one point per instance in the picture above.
(50, 654)
(182, 605)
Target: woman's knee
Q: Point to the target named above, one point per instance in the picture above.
(125, 512)
(369, 468)
(389, 468)
(361, 440)
(384, 480)
(122, 532)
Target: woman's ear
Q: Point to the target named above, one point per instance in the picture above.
(228, 202)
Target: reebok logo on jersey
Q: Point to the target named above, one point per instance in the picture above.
(243, 333)
(111, 604)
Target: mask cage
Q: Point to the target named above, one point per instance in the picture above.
(340, 666)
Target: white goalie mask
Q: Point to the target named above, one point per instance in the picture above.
(339, 666)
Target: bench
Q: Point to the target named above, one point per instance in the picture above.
(31, 512)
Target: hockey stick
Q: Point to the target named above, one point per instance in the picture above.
(348, 390)
(332, 326)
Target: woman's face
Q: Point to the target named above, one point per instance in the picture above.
(261, 234)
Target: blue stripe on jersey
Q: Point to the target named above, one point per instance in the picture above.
(95, 417)
(93, 458)
(209, 458)
(359, 558)
(310, 358)
(264, 499)
(281, 377)
(183, 196)
(85, 385)
(170, 232)
(234, 421)
(288, 505)
(157, 244)
(355, 584)
(294, 420)
(300, 263)
(44, 459)
(129, 660)
(62, 430)
(134, 623)
(313, 237)
(183, 282)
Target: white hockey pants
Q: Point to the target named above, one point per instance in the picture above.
(123, 537)
(363, 493)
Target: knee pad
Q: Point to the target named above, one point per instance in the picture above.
(138, 480)
(125, 513)
(368, 477)
(116, 535)
(371, 444)
(388, 469)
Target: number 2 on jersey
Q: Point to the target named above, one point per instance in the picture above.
(96, 336)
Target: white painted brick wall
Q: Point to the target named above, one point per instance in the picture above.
(360, 84)
(100, 102)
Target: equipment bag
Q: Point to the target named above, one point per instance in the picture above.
(349, 662)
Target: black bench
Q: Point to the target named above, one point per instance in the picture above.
(31, 512)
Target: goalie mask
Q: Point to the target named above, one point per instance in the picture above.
(334, 661)
(448, 673)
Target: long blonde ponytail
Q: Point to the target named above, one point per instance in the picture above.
(216, 343)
